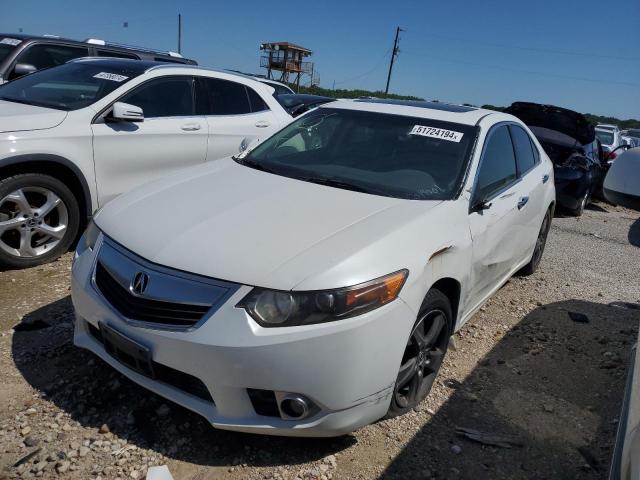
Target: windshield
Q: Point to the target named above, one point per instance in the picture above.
(68, 87)
(377, 153)
(7, 45)
(605, 137)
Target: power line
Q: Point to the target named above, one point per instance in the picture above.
(368, 72)
(528, 72)
(532, 49)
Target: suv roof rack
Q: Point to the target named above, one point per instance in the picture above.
(97, 41)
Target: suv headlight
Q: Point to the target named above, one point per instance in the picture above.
(276, 308)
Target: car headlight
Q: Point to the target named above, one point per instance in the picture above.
(276, 308)
(91, 235)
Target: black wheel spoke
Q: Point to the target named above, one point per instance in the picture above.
(406, 373)
(435, 329)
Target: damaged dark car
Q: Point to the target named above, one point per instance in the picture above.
(570, 142)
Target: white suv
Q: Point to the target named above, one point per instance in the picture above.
(75, 136)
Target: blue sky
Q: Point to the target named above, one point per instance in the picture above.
(492, 51)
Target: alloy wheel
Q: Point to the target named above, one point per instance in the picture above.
(422, 358)
(33, 220)
(541, 240)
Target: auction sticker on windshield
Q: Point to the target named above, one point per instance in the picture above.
(114, 77)
(433, 132)
(11, 41)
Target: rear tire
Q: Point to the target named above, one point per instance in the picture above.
(585, 200)
(541, 241)
(39, 220)
(424, 353)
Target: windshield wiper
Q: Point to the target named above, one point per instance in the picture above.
(253, 164)
(333, 182)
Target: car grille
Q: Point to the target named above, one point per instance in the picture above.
(145, 309)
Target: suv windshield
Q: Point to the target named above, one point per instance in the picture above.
(7, 45)
(377, 153)
(605, 137)
(70, 86)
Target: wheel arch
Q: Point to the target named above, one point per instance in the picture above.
(57, 167)
(451, 288)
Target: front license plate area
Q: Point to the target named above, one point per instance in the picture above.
(129, 352)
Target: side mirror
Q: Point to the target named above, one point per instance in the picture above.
(480, 206)
(126, 113)
(246, 146)
(22, 69)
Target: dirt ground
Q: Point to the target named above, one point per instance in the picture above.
(542, 366)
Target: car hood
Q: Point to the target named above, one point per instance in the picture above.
(568, 122)
(16, 117)
(239, 224)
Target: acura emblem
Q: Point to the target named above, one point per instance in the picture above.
(139, 283)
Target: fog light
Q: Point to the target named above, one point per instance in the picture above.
(294, 407)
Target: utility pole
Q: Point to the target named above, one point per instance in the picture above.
(179, 33)
(394, 53)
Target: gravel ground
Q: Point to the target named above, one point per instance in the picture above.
(539, 370)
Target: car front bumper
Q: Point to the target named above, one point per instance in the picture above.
(346, 368)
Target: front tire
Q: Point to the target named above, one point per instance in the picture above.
(424, 353)
(39, 220)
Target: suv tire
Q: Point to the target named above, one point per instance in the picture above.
(39, 220)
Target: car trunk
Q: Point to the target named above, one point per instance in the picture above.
(567, 122)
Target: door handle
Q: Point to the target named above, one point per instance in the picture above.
(191, 127)
(522, 202)
(262, 124)
(545, 178)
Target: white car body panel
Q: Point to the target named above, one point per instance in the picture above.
(622, 183)
(253, 228)
(130, 154)
(17, 117)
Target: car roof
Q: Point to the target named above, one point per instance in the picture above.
(139, 66)
(103, 45)
(432, 110)
(25, 36)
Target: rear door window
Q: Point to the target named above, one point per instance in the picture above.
(45, 56)
(224, 97)
(164, 97)
(257, 104)
(525, 159)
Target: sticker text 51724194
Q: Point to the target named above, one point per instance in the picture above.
(433, 132)
(114, 77)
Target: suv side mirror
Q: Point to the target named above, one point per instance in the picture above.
(22, 69)
(126, 113)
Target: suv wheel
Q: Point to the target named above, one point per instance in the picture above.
(423, 354)
(39, 220)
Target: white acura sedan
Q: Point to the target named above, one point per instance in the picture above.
(310, 285)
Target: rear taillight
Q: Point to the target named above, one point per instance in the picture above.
(611, 155)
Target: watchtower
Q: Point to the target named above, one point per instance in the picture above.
(285, 63)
